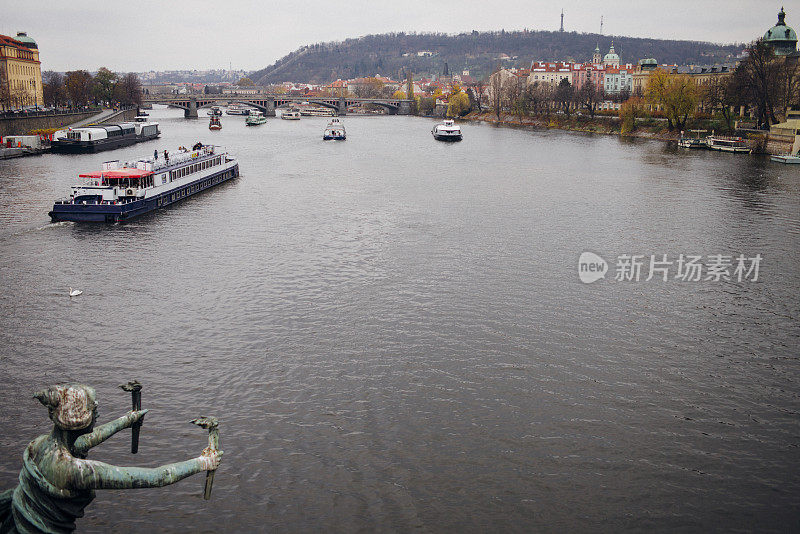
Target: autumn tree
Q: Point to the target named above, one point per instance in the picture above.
(103, 86)
(629, 111)
(399, 94)
(245, 82)
(458, 103)
(675, 94)
(79, 87)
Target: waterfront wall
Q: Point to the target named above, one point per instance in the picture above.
(23, 125)
(125, 115)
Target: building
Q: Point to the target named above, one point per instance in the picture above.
(618, 80)
(550, 73)
(20, 72)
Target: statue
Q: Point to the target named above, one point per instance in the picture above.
(57, 482)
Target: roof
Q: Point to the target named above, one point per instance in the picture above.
(118, 173)
(780, 32)
(27, 41)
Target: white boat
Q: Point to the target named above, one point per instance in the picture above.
(334, 131)
(236, 109)
(318, 112)
(728, 144)
(214, 112)
(292, 115)
(255, 118)
(122, 190)
(447, 131)
(693, 142)
(786, 158)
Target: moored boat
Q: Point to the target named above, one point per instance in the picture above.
(318, 112)
(693, 142)
(255, 118)
(447, 130)
(728, 144)
(214, 123)
(215, 112)
(103, 137)
(121, 191)
(334, 131)
(786, 158)
(292, 115)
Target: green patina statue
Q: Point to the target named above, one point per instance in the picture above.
(57, 482)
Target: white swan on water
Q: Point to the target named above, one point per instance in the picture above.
(74, 292)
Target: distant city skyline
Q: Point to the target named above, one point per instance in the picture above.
(250, 35)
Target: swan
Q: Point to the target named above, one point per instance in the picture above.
(74, 292)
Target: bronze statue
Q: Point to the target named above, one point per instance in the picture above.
(57, 482)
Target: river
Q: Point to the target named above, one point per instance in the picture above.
(395, 337)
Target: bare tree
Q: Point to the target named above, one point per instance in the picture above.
(79, 86)
(128, 90)
(588, 96)
(54, 92)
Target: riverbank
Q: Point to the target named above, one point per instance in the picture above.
(646, 128)
(575, 123)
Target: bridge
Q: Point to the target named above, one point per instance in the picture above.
(269, 102)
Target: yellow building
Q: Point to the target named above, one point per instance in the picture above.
(20, 72)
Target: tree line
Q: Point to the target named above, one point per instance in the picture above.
(78, 88)
(762, 85)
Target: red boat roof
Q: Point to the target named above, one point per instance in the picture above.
(118, 173)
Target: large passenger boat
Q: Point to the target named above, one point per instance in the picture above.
(123, 190)
(103, 137)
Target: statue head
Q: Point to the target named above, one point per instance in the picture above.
(71, 407)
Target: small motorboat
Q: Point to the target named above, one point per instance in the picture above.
(215, 112)
(334, 131)
(292, 115)
(786, 158)
(255, 118)
(215, 123)
(447, 131)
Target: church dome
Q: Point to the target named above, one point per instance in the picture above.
(781, 37)
(23, 38)
(611, 57)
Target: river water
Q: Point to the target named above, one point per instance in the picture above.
(395, 337)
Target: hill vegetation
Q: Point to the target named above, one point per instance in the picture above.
(480, 52)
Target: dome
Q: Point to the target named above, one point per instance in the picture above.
(648, 61)
(611, 58)
(781, 37)
(23, 38)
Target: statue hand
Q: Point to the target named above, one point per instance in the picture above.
(137, 415)
(210, 459)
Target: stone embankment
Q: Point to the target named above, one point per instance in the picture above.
(21, 125)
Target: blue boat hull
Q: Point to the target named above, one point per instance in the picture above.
(123, 212)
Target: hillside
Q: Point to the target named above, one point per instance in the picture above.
(476, 51)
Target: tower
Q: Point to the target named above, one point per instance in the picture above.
(601, 24)
(562, 21)
(596, 57)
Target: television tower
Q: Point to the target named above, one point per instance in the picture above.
(601, 24)
(562, 21)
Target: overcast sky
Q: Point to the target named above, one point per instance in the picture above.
(249, 34)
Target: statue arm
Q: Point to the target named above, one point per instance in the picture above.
(88, 474)
(103, 432)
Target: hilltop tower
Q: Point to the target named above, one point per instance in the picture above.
(562, 21)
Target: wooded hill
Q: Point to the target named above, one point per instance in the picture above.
(477, 51)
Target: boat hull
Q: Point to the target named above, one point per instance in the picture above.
(447, 137)
(790, 160)
(69, 146)
(123, 212)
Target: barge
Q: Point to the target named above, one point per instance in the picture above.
(103, 137)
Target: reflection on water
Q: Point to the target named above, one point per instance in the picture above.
(394, 336)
